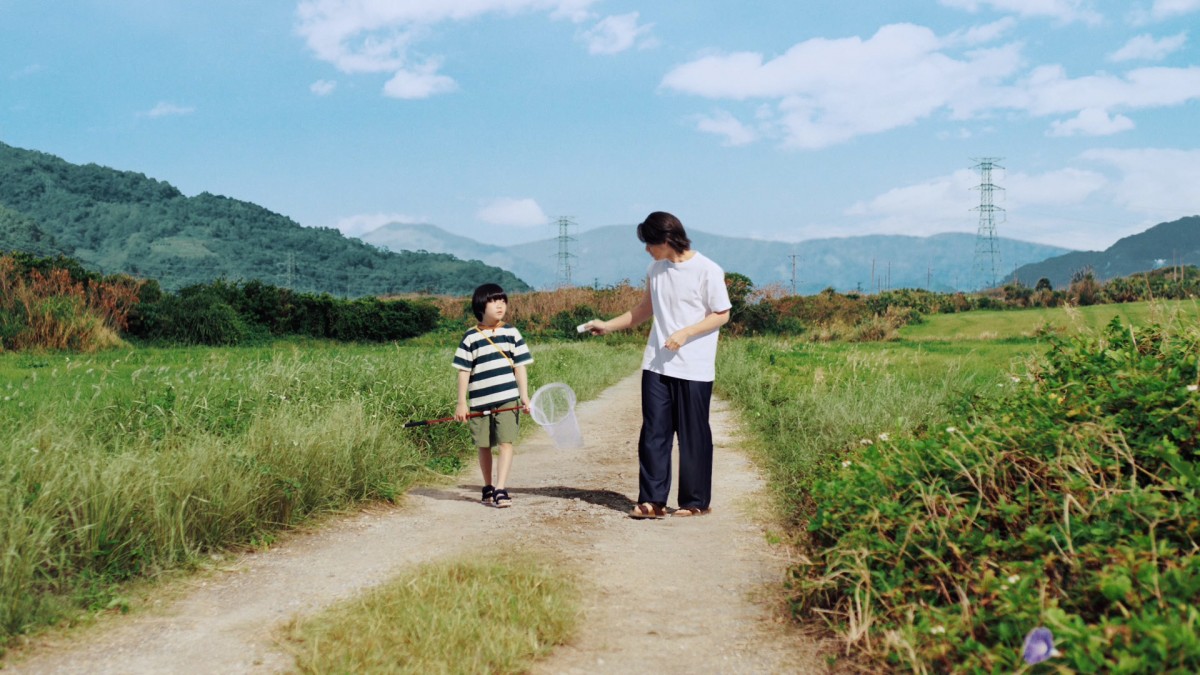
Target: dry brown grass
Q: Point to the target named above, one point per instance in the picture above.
(536, 309)
(53, 311)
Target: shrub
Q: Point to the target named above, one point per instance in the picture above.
(1071, 503)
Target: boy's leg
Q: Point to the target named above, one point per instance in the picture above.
(692, 401)
(503, 464)
(485, 465)
(655, 440)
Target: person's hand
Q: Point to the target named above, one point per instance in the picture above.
(597, 327)
(525, 405)
(460, 412)
(678, 339)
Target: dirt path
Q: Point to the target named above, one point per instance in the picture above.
(679, 595)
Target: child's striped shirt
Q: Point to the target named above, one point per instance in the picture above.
(492, 382)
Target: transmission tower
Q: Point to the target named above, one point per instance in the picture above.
(564, 251)
(987, 250)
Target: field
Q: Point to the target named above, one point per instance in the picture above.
(985, 474)
(123, 463)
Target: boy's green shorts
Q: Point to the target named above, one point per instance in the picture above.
(492, 430)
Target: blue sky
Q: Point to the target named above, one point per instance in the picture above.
(492, 118)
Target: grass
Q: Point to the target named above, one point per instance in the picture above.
(809, 404)
(988, 325)
(119, 464)
(461, 616)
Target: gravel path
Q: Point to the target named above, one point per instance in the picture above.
(678, 595)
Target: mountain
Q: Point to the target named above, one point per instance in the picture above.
(1173, 243)
(121, 221)
(607, 255)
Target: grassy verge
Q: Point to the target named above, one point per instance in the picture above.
(987, 495)
(809, 404)
(116, 465)
(465, 616)
(990, 325)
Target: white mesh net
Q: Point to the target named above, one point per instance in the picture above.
(553, 408)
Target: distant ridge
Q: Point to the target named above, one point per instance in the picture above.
(609, 254)
(1171, 243)
(122, 221)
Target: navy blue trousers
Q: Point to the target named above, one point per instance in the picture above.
(672, 406)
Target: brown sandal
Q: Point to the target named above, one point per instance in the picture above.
(685, 512)
(647, 510)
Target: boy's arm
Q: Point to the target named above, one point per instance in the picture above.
(644, 310)
(461, 410)
(522, 385)
(709, 323)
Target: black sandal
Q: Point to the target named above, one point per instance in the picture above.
(501, 499)
(488, 492)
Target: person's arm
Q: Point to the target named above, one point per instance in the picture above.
(462, 410)
(522, 386)
(636, 316)
(709, 323)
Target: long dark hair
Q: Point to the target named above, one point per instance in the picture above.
(483, 295)
(661, 227)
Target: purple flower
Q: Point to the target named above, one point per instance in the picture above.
(1039, 645)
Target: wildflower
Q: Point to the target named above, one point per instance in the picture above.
(938, 630)
(1014, 578)
(1015, 379)
(865, 441)
(951, 430)
(846, 463)
(884, 436)
(1193, 387)
(1039, 645)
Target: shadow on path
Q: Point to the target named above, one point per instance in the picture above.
(606, 498)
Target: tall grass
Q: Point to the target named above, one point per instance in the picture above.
(466, 616)
(52, 310)
(115, 466)
(810, 403)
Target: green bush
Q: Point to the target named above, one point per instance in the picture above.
(1070, 503)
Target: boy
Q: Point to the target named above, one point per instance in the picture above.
(491, 362)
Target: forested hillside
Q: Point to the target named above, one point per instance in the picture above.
(122, 221)
(1164, 245)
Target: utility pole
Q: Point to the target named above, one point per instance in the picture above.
(987, 252)
(793, 257)
(564, 251)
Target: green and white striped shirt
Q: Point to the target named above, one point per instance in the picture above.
(493, 382)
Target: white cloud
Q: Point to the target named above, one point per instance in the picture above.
(1154, 181)
(421, 81)
(358, 225)
(722, 123)
(1145, 48)
(823, 92)
(513, 212)
(949, 204)
(1048, 91)
(164, 109)
(1066, 11)
(1091, 122)
(615, 34)
(375, 36)
(322, 87)
(1165, 9)
(829, 91)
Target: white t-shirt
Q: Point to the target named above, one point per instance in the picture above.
(682, 294)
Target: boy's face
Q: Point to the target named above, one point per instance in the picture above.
(659, 251)
(493, 312)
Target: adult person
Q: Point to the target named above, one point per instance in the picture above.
(686, 296)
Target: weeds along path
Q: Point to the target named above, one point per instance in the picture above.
(678, 595)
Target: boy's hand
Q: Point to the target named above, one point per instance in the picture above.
(525, 405)
(460, 412)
